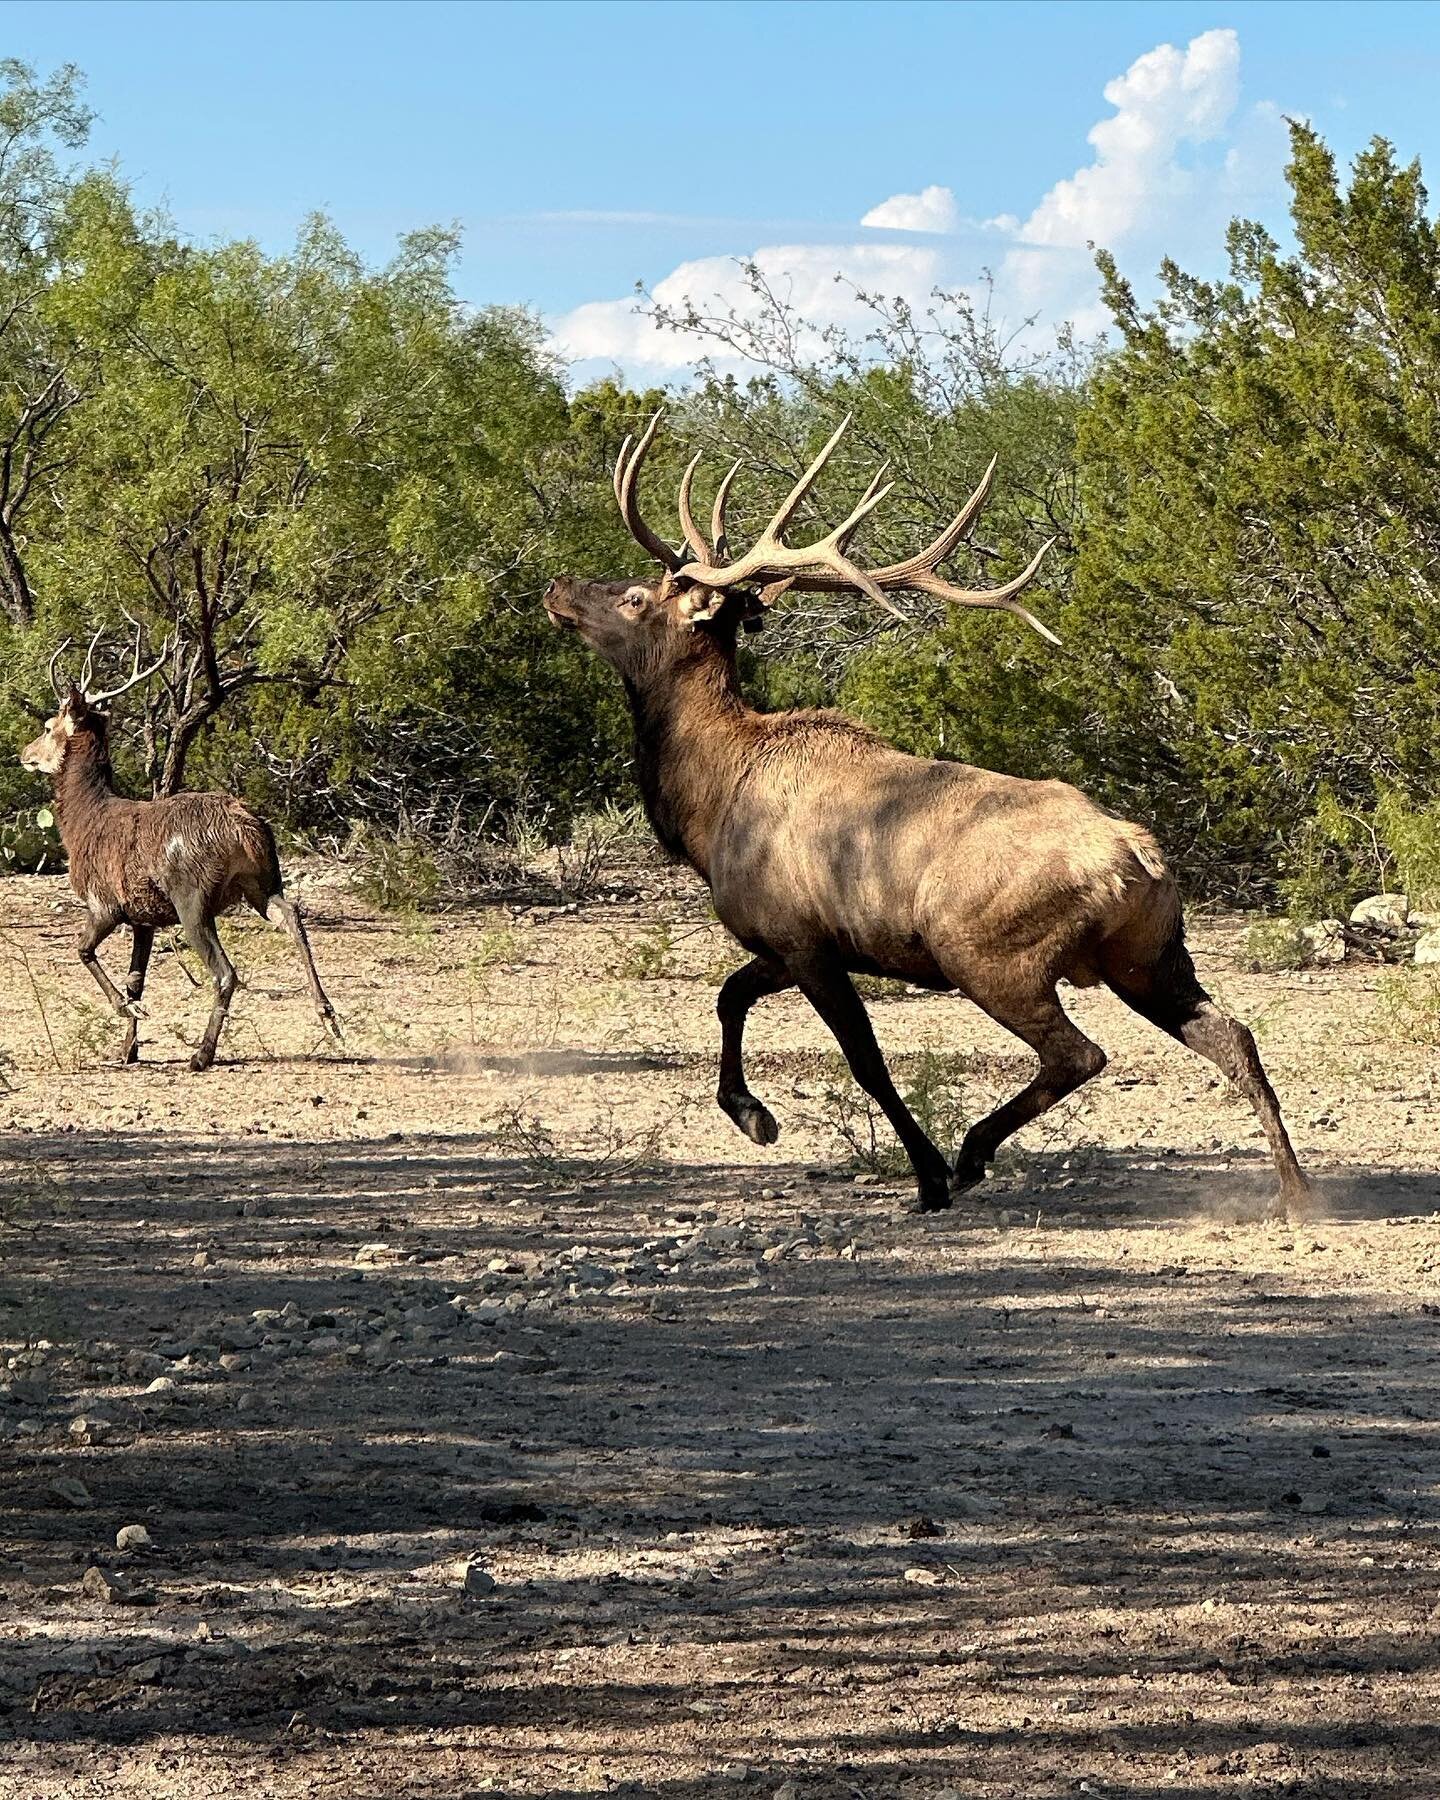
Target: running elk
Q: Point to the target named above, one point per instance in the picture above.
(151, 863)
(827, 852)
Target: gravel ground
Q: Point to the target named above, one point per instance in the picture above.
(499, 1420)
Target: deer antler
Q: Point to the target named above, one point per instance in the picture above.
(137, 674)
(822, 567)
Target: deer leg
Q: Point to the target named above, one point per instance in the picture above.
(286, 915)
(95, 934)
(829, 989)
(142, 936)
(738, 994)
(1068, 1059)
(204, 940)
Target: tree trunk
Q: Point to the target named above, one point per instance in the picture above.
(14, 588)
(177, 751)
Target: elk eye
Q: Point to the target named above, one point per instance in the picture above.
(635, 598)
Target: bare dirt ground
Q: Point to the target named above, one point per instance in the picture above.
(1099, 1485)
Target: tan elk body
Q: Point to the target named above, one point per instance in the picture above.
(829, 853)
(184, 859)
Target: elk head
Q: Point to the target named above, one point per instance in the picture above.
(81, 710)
(634, 623)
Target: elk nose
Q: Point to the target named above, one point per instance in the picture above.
(553, 601)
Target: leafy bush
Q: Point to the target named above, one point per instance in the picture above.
(650, 956)
(934, 1088)
(1272, 945)
(397, 874)
(29, 842)
(1412, 837)
(1410, 1005)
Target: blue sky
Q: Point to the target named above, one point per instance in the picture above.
(585, 147)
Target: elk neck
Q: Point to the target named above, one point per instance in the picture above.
(84, 784)
(694, 735)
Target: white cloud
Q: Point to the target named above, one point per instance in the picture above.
(932, 209)
(804, 274)
(1172, 162)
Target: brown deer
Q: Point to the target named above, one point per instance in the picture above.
(151, 863)
(828, 852)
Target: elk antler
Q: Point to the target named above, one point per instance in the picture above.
(627, 469)
(137, 674)
(822, 567)
(61, 648)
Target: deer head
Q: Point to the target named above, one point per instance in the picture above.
(81, 709)
(632, 623)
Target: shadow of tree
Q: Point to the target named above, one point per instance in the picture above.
(915, 1500)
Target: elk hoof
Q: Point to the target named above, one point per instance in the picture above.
(201, 1061)
(930, 1200)
(752, 1116)
(964, 1179)
(130, 1054)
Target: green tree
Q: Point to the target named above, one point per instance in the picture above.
(1259, 557)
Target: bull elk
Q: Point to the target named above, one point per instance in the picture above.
(180, 860)
(828, 852)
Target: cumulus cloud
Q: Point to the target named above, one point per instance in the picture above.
(616, 331)
(932, 209)
(1146, 186)
(1171, 162)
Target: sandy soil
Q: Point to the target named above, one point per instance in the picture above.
(1100, 1485)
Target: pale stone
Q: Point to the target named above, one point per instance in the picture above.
(1382, 912)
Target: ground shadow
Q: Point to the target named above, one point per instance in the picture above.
(864, 1512)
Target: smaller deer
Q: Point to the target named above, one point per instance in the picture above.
(184, 859)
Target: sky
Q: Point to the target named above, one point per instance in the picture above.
(585, 148)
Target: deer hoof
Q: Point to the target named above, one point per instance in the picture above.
(754, 1118)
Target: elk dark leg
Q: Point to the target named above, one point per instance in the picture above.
(1195, 1020)
(1225, 1041)
(95, 934)
(143, 937)
(286, 914)
(204, 940)
(831, 992)
(738, 994)
(1068, 1059)
(1167, 992)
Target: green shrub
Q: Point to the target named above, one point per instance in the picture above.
(650, 956)
(935, 1089)
(1272, 945)
(1410, 1005)
(397, 874)
(1411, 835)
(29, 842)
